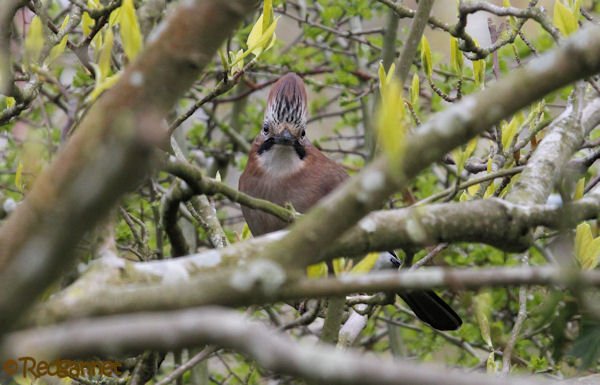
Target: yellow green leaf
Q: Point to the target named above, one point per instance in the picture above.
(479, 72)
(381, 74)
(490, 164)
(390, 74)
(239, 63)
(317, 271)
(579, 189)
(564, 19)
(592, 255)
(267, 14)
(104, 61)
(490, 190)
(87, 22)
(246, 234)
(102, 86)
(34, 42)
(415, 91)
(587, 249)
(576, 7)
(510, 130)
(58, 49)
(385, 78)
(426, 57)
(10, 102)
(490, 363)
(366, 264)
(18, 176)
(224, 60)
(115, 17)
(131, 36)
(261, 40)
(472, 190)
(461, 156)
(456, 57)
(390, 122)
(471, 146)
(339, 265)
(483, 305)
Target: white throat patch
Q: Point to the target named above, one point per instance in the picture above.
(280, 161)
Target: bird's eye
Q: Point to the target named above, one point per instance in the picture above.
(303, 133)
(265, 129)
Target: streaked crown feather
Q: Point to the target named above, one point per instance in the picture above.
(287, 101)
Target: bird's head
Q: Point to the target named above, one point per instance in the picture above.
(284, 126)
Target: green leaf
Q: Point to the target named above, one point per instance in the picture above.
(18, 177)
(224, 59)
(579, 189)
(106, 55)
(260, 40)
(564, 19)
(34, 42)
(10, 101)
(87, 23)
(587, 344)
(456, 57)
(104, 85)
(483, 309)
(390, 122)
(510, 130)
(131, 36)
(58, 49)
(385, 78)
(461, 156)
(366, 264)
(246, 234)
(415, 91)
(426, 57)
(317, 271)
(381, 74)
(479, 72)
(236, 57)
(268, 14)
(114, 18)
(587, 248)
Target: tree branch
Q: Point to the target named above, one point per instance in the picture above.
(237, 275)
(227, 328)
(109, 154)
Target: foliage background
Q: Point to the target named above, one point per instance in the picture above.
(337, 48)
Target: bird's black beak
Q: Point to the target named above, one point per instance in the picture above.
(285, 138)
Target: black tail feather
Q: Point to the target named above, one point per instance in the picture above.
(430, 308)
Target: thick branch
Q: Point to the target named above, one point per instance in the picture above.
(312, 233)
(109, 154)
(237, 275)
(564, 138)
(417, 28)
(226, 328)
(201, 184)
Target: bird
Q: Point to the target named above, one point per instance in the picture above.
(285, 168)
